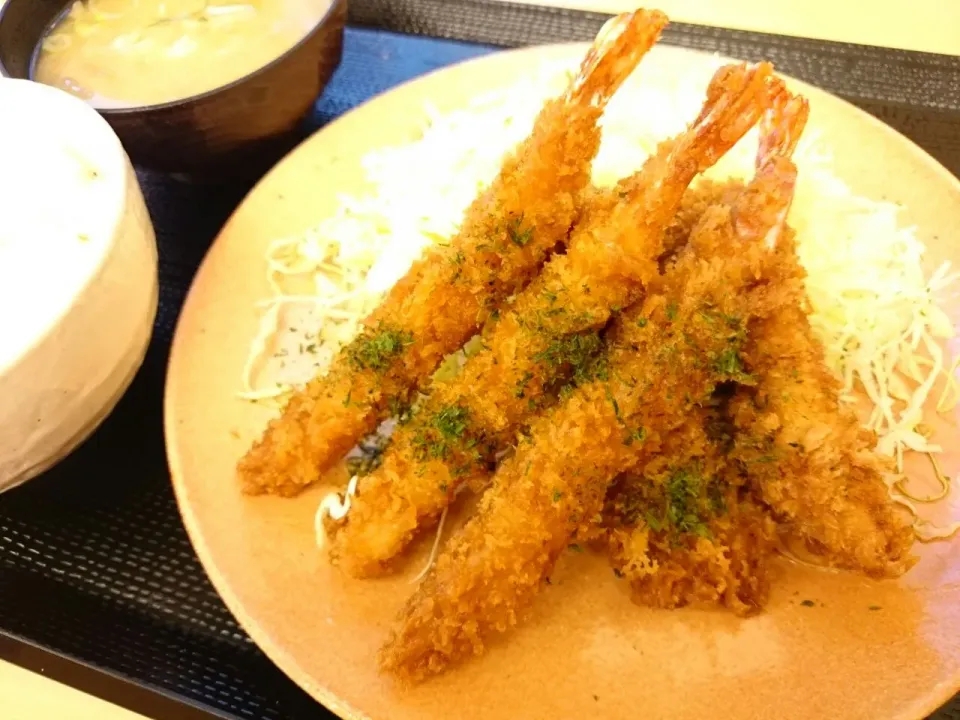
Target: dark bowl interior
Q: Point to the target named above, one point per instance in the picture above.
(241, 127)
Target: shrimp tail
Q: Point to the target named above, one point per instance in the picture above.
(762, 209)
(737, 97)
(617, 50)
(781, 127)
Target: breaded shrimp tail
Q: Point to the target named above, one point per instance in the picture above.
(506, 235)
(826, 486)
(549, 333)
(665, 356)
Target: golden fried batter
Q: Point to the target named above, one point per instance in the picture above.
(665, 529)
(813, 463)
(506, 235)
(809, 455)
(684, 530)
(666, 356)
(730, 567)
(548, 334)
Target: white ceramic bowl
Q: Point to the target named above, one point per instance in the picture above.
(78, 276)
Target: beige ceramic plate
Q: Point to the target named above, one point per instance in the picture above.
(587, 651)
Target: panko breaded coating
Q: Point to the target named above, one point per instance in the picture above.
(548, 334)
(808, 454)
(683, 529)
(729, 567)
(811, 460)
(665, 357)
(506, 235)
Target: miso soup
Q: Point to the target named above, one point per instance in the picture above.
(129, 53)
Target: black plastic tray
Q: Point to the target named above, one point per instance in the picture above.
(99, 586)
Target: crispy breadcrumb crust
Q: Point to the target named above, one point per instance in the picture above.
(506, 235)
(822, 479)
(666, 357)
(719, 554)
(549, 335)
(551, 327)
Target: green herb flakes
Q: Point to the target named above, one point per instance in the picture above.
(376, 349)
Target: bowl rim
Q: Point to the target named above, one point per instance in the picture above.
(332, 9)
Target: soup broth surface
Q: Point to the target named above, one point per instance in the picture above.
(130, 53)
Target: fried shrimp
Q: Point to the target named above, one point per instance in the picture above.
(665, 356)
(550, 333)
(506, 235)
(683, 528)
(825, 487)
